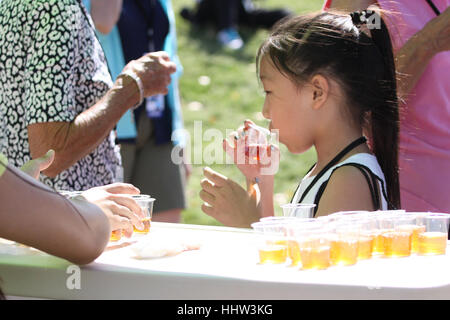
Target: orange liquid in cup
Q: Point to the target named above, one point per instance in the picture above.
(415, 230)
(397, 244)
(344, 252)
(432, 243)
(116, 235)
(294, 252)
(147, 224)
(378, 242)
(315, 257)
(365, 247)
(273, 254)
(260, 151)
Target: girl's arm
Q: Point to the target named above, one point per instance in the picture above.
(35, 215)
(105, 14)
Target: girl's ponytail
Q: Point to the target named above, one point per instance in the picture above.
(384, 115)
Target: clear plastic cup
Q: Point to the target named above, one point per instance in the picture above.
(344, 240)
(312, 238)
(397, 234)
(146, 203)
(433, 238)
(257, 141)
(291, 229)
(298, 210)
(271, 242)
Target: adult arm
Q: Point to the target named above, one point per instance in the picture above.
(351, 5)
(38, 217)
(73, 140)
(105, 14)
(412, 59)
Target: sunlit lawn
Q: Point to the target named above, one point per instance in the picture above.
(232, 95)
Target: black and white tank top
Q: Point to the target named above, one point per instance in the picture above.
(368, 165)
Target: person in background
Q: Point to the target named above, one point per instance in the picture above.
(420, 33)
(56, 92)
(327, 83)
(227, 16)
(154, 131)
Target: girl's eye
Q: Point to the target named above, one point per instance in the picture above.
(266, 92)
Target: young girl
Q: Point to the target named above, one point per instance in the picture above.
(328, 84)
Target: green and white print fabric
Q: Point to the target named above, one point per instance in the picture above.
(52, 68)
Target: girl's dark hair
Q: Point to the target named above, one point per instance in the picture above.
(333, 45)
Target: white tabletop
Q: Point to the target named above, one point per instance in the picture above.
(224, 267)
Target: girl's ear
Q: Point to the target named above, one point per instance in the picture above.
(320, 90)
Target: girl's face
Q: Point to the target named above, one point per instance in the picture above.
(288, 107)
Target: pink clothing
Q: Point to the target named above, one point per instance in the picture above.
(424, 151)
(424, 155)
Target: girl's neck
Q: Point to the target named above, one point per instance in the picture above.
(329, 145)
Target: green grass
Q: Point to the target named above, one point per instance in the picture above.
(232, 96)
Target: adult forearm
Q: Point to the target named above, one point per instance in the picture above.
(105, 14)
(38, 217)
(410, 62)
(351, 5)
(74, 140)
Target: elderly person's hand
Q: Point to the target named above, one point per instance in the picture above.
(116, 202)
(227, 201)
(34, 167)
(154, 70)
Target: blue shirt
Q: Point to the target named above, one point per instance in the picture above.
(173, 125)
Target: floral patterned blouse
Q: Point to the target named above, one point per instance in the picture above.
(52, 68)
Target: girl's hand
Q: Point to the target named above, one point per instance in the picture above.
(227, 201)
(116, 202)
(252, 152)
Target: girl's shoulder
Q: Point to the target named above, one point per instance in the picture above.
(367, 160)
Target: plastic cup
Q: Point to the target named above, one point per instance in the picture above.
(298, 210)
(344, 240)
(271, 242)
(291, 228)
(313, 244)
(397, 234)
(146, 204)
(433, 238)
(257, 141)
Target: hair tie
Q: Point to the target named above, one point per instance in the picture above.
(361, 17)
(367, 17)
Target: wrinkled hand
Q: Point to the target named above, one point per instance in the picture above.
(154, 69)
(34, 167)
(116, 202)
(438, 32)
(227, 201)
(251, 159)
